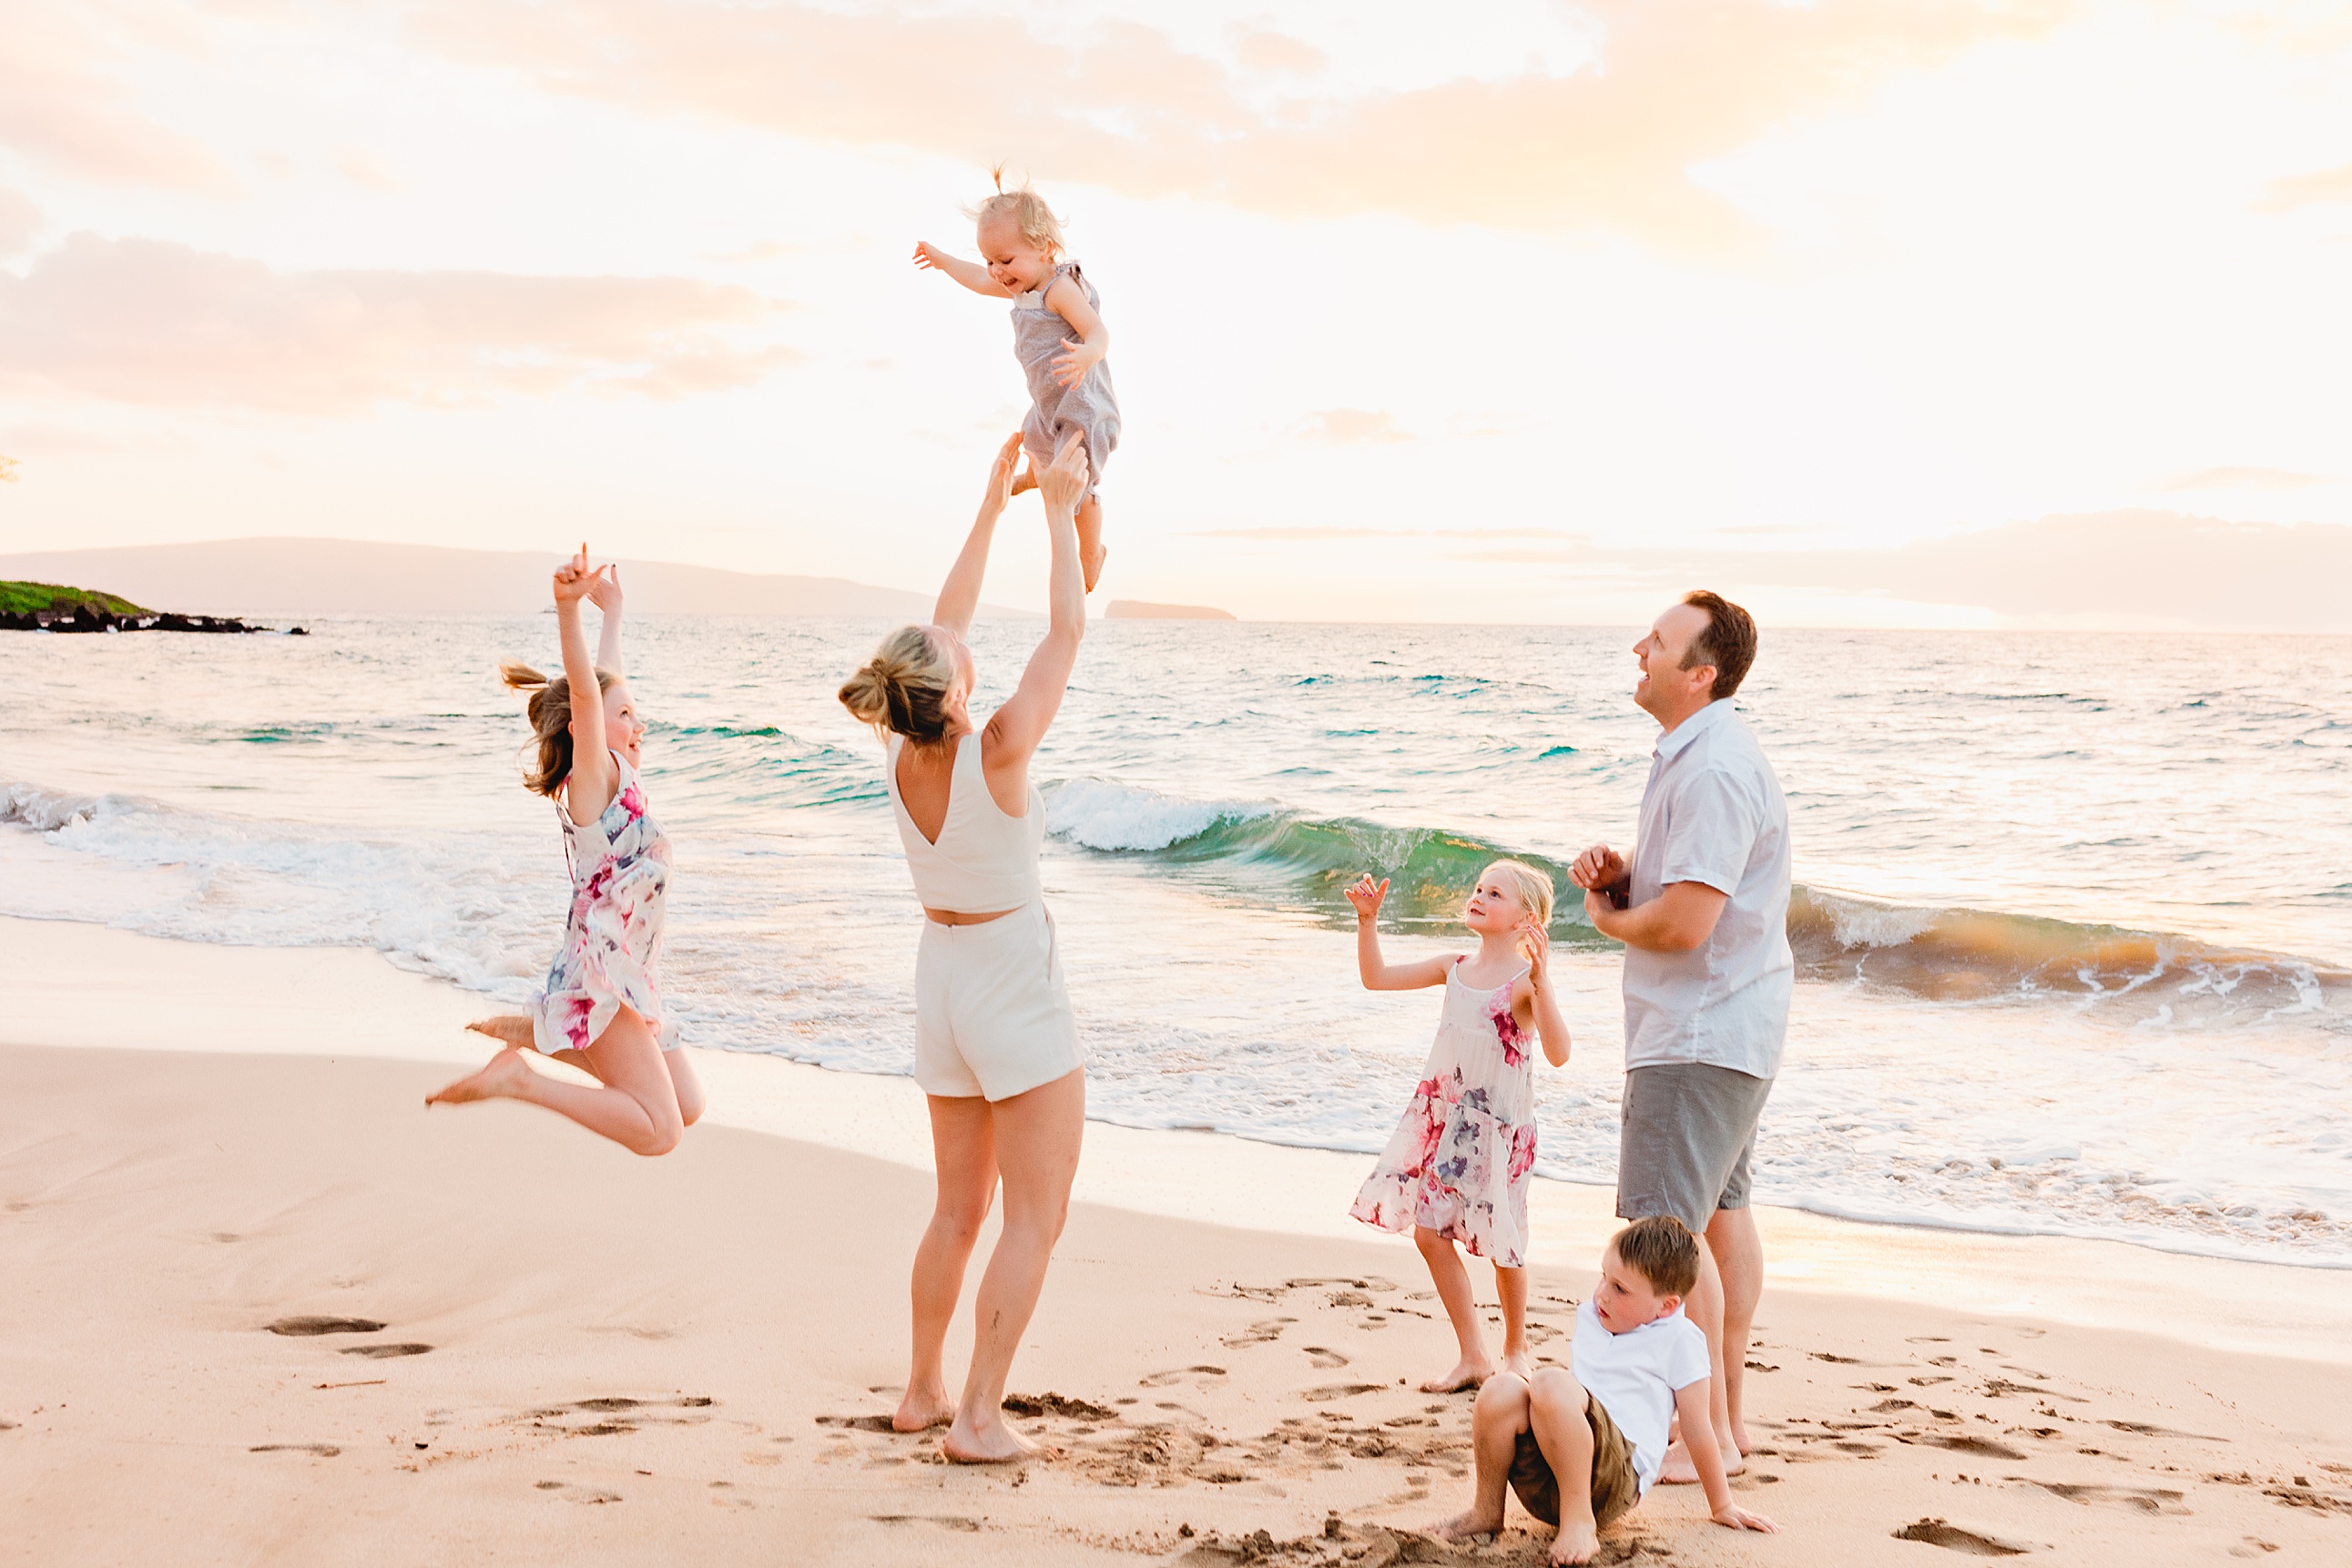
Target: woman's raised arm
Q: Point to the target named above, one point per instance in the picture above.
(960, 595)
(1020, 724)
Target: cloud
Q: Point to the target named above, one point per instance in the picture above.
(2245, 479)
(2292, 190)
(50, 441)
(141, 320)
(20, 223)
(1351, 427)
(57, 108)
(1607, 147)
(1304, 532)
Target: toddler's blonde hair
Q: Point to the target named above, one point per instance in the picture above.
(1027, 210)
(1531, 887)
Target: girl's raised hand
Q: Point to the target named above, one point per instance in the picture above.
(1536, 943)
(1366, 895)
(574, 579)
(605, 590)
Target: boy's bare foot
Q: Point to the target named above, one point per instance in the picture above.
(1679, 1471)
(505, 1075)
(1577, 1542)
(511, 1028)
(1091, 561)
(994, 1444)
(1466, 1526)
(1466, 1374)
(923, 1409)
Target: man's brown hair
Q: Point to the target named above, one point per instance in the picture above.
(1729, 643)
(1661, 1250)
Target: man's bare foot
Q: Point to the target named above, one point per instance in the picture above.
(1465, 1526)
(1466, 1374)
(503, 1078)
(1577, 1542)
(1091, 560)
(1678, 1470)
(994, 1444)
(923, 1409)
(513, 1028)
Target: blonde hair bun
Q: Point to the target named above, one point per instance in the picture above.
(902, 689)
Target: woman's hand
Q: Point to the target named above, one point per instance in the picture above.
(1065, 481)
(1366, 895)
(604, 592)
(575, 580)
(1536, 943)
(1071, 365)
(1001, 475)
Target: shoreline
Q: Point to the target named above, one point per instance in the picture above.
(94, 987)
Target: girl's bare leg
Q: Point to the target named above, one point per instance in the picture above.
(1500, 1415)
(634, 1103)
(1091, 553)
(1511, 1287)
(511, 1028)
(963, 1152)
(1452, 1282)
(1037, 1139)
(683, 1083)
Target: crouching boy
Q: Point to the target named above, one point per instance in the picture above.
(1582, 1444)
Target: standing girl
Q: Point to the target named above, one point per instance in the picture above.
(1457, 1168)
(601, 1010)
(1070, 399)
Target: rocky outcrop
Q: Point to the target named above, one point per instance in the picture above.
(89, 614)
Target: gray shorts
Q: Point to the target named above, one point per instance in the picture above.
(1684, 1146)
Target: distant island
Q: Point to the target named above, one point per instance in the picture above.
(1142, 610)
(58, 607)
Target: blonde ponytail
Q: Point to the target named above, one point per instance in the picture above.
(550, 721)
(1027, 210)
(901, 688)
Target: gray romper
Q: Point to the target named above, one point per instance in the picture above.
(1090, 408)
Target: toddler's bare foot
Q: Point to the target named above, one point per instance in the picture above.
(994, 1444)
(923, 1409)
(1576, 1541)
(511, 1028)
(503, 1078)
(1679, 1471)
(1466, 1374)
(1463, 1526)
(1091, 561)
(1026, 479)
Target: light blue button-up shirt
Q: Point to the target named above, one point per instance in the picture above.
(1713, 812)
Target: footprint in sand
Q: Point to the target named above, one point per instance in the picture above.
(2142, 1500)
(321, 1450)
(1938, 1533)
(385, 1352)
(944, 1520)
(1198, 1376)
(303, 1328)
(857, 1422)
(1325, 1360)
(1337, 1391)
(1961, 1443)
(1262, 1334)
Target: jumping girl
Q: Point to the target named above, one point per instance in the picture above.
(1070, 397)
(1456, 1169)
(601, 1010)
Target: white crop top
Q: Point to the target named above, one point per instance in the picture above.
(984, 862)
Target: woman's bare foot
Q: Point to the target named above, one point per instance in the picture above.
(923, 1409)
(1519, 1365)
(506, 1074)
(1577, 1542)
(1465, 1526)
(513, 1028)
(1679, 1471)
(994, 1444)
(1466, 1374)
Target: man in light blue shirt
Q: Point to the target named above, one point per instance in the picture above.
(1703, 910)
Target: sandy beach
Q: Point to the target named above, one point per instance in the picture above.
(583, 1354)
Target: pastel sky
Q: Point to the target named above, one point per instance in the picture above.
(1910, 312)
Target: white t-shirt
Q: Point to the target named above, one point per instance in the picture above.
(1635, 1376)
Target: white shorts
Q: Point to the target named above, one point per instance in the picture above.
(992, 1017)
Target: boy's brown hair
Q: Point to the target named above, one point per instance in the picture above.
(1661, 1250)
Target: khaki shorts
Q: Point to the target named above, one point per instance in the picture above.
(1615, 1486)
(991, 1017)
(1687, 1136)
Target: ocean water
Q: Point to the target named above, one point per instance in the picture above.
(2075, 921)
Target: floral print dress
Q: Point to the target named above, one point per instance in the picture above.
(1459, 1161)
(620, 879)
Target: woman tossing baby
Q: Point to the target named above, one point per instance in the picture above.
(1058, 336)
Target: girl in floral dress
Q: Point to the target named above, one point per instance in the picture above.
(1457, 1168)
(601, 1010)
